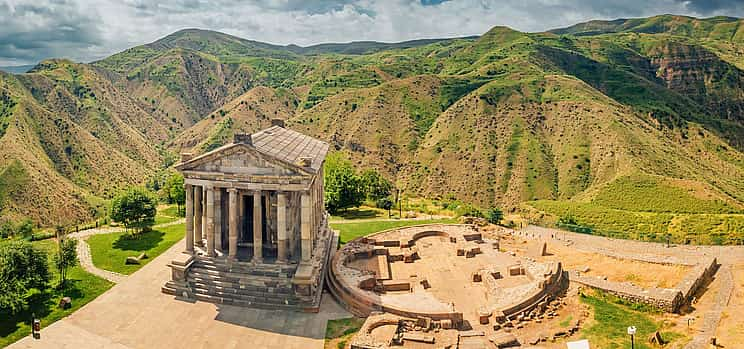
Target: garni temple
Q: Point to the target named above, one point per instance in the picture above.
(256, 229)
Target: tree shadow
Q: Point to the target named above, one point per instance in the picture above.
(357, 214)
(142, 242)
(40, 304)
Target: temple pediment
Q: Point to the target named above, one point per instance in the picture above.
(241, 159)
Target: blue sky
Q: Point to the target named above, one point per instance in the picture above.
(85, 30)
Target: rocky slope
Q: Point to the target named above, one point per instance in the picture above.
(501, 119)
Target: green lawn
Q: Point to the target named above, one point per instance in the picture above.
(82, 287)
(339, 332)
(167, 214)
(352, 230)
(109, 251)
(612, 317)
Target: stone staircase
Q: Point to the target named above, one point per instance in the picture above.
(265, 286)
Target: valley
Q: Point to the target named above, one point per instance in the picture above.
(631, 128)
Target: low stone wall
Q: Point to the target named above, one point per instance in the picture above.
(696, 278)
(667, 299)
(550, 286)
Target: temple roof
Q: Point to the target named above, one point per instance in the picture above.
(290, 146)
(287, 146)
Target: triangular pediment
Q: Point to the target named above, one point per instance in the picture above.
(241, 159)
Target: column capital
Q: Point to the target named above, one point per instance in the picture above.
(232, 190)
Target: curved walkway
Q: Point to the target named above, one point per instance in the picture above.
(83, 250)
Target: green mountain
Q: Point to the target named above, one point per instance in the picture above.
(641, 120)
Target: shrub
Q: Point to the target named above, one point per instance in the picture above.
(22, 268)
(494, 215)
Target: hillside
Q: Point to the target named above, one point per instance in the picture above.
(599, 117)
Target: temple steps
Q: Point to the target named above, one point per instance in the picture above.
(269, 270)
(255, 285)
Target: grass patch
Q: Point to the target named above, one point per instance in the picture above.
(352, 230)
(82, 287)
(649, 194)
(339, 332)
(612, 318)
(110, 251)
(716, 229)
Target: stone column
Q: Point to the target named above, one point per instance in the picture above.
(233, 224)
(198, 208)
(218, 219)
(292, 220)
(241, 209)
(305, 223)
(189, 218)
(210, 222)
(204, 213)
(257, 233)
(281, 226)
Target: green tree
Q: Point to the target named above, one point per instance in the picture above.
(343, 188)
(375, 185)
(22, 268)
(66, 257)
(385, 203)
(6, 229)
(494, 215)
(25, 228)
(135, 208)
(176, 191)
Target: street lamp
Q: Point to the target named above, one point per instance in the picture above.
(632, 332)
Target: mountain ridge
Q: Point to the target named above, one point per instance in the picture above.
(503, 119)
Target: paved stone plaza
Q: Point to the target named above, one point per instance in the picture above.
(136, 314)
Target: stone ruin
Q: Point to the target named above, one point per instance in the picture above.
(413, 275)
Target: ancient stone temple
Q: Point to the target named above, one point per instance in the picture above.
(256, 228)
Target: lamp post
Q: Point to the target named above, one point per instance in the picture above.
(632, 332)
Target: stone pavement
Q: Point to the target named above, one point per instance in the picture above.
(135, 314)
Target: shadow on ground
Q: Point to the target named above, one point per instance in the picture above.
(143, 242)
(309, 325)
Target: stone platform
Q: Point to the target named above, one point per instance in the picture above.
(220, 280)
(442, 272)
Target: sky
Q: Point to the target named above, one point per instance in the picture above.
(87, 30)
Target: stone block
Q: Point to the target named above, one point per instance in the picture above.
(503, 340)
(516, 270)
(476, 277)
(132, 260)
(539, 250)
(65, 303)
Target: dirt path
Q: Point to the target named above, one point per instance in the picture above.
(83, 250)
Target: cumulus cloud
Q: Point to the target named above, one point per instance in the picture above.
(86, 30)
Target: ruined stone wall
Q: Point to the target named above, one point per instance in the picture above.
(548, 287)
(696, 278)
(667, 299)
(662, 298)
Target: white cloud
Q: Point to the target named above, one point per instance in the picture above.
(85, 30)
